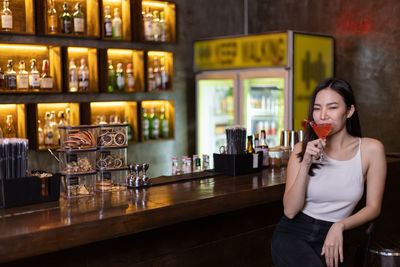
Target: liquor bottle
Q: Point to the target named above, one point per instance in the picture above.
(9, 130)
(83, 76)
(117, 25)
(256, 141)
(62, 121)
(11, 76)
(1, 133)
(163, 27)
(111, 121)
(103, 120)
(130, 79)
(108, 29)
(164, 131)
(2, 81)
(150, 80)
(40, 134)
(66, 21)
(111, 77)
(73, 76)
(34, 76)
(148, 27)
(156, 26)
(68, 116)
(79, 20)
(6, 17)
(157, 74)
(154, 124)
(46, 81)
(250, 148)
(97, 120)
(52, 19)
(119, 77)
(164, 75)
(48, 131)
(54, 126)
(263, 141)
(146, 125)
(22, 77)
(129, 130)
(117, 119)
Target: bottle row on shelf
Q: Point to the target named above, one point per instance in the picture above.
(189, 165)
(125, 76)
(23, 80)
(155, 121)
(155, 19)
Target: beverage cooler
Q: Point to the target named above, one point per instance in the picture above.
(262, 82)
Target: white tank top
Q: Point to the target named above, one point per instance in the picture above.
(335, 189)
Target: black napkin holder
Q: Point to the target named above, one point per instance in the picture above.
(29, 190)
(237, 164)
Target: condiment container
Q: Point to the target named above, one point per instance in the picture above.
(73, 161)
(275, 157)
(111, 158)
(113, 135)
(78, 185)
(78, 137)
(111, 180)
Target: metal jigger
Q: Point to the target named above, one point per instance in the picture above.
(130, 178)
(138, 180)
(145, 178)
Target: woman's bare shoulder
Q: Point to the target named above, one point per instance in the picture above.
(372, 147)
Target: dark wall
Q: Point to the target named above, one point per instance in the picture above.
(367, 37)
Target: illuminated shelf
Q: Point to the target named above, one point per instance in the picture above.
(169, 114)
(90, 9)
(168, 8)
(90, 57)
(23, 17)
(40, 111)
(19, 52)
(19, 118)
(162, 57)
(124, 56)
(124, 7)
(121, 109)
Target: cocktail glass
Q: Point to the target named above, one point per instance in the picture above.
(322, 131)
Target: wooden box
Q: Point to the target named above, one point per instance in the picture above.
(19, 52)
(124, 56)
(23, 17)
(169, 109)
(17, 111)
(90, 57)
(124, 7)
(89, 8)
(169, 10)
(165, 59)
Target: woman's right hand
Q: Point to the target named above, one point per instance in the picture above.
(313, 150)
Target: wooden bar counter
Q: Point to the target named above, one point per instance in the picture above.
(206, 221)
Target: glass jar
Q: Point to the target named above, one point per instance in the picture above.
(275, 157)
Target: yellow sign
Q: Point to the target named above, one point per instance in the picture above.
(313, 62)
(268, 50)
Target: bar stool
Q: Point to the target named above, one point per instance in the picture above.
(384, 252)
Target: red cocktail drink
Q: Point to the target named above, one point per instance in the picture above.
(322, 130)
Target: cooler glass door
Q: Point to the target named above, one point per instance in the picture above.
(215, 111)
(263, 103)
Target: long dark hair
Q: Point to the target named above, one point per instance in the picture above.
(344, 89)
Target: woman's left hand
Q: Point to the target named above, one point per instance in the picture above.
(333, 245)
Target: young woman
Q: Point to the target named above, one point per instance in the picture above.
(319, 198)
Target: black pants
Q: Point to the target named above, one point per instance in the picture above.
(298, 242)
